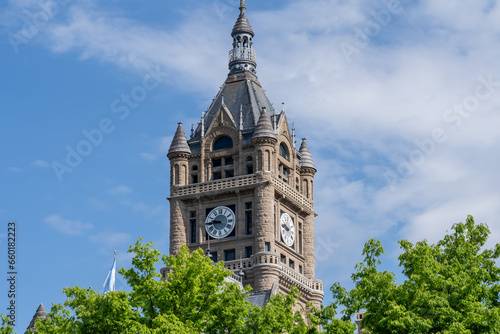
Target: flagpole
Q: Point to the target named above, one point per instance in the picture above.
(109, 283)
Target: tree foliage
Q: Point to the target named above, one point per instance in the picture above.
(6, 327)
(195, 297)
(450, 287)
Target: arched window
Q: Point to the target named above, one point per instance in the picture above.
(176, 175)
(222, 143)
(284, 152)
(194, 174)
(249, 165)
(260, 163)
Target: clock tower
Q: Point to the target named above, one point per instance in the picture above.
(239, 187)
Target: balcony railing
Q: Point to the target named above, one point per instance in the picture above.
(272, 258)
(290, 193)
(242, 53)
(295, 276)
(216, 185)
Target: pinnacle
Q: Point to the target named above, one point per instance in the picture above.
(306, 159)
(264, 128)
(179, 143)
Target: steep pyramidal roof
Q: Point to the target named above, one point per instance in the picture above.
(306, 159)
(264, 128)
(241, 91)
(179, 143)
(242, 24)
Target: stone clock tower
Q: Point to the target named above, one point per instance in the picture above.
(239, 187)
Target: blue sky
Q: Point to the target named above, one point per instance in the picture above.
(399, 102)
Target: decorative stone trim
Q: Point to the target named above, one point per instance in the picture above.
(293, 196)
(287, 274)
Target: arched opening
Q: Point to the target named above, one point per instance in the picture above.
(284, 152)
(176, 174)
(184, 175)
(260, 163)
(222, 143)
(194, 174)
(249, 165)
(268, 160)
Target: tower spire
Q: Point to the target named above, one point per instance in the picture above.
(242, 57)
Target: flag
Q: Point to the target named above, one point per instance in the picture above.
(109, 283)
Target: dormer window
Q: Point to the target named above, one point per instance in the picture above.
(284, 152)
(222, 143)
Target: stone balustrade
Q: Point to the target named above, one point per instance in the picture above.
(293, 195)
(216, 185)
(272, 258)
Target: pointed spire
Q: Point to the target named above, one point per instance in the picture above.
(293, 135)
(40, 314)
(241, 117)
(264, 128)
(306, 159)
(242, 24)
(179, 143)
(202, 124)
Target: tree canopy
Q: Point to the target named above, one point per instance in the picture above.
(449, 287)
(195, 297)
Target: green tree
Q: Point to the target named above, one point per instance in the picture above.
(450, 287)
(194, 297)
(6, 327)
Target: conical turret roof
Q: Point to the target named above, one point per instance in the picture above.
(242, 24)
(40, 313)
(179, 143)
(306, 159)
(264, 128)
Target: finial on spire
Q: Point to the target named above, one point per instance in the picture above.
(242, 6)
(241, 117)
(283, 106)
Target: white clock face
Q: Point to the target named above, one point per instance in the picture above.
(220, 222)
(287, 229)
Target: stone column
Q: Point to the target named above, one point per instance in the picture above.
(177, 226)
(308, 245)
(264, 213)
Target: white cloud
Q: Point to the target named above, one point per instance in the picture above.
(15, 169)
(40, 163)
(120, 190)
(362, 118)
(148, 156)
(66, 226)
(97, 204)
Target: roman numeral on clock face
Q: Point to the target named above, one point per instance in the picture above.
(220, 222)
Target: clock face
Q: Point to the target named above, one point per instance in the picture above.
(287, 229)
(220, 222)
